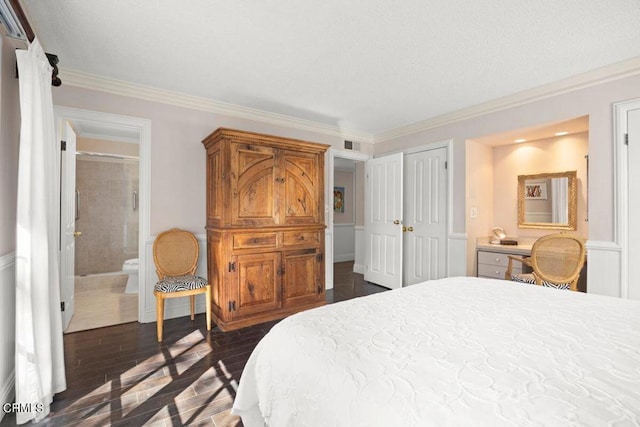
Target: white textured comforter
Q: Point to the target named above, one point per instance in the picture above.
(458, 351)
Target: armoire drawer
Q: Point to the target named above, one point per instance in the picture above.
(255, 240)
(301, 238)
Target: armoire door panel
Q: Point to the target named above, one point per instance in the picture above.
(253, 183)
(300, 189)
(258, 283)
(301, 279)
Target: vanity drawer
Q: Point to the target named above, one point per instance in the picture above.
(301, 238)
(496, 271)
(493, 258)
(254, 240)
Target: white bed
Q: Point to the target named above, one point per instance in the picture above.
(458, 351)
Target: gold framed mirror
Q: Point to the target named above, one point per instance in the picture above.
(548, 201)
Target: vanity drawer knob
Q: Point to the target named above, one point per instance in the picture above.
(497, 272)
(497, 259)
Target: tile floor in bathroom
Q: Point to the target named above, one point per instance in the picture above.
(100, 301)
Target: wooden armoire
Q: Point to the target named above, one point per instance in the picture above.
(265, 226)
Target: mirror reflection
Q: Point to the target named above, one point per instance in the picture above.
(547, 200)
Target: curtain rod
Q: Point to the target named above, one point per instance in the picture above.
(22, 17)
(28, 30)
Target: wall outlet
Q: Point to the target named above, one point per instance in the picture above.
(474, 212)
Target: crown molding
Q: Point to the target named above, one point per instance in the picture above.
(118, 87)
(581, 81)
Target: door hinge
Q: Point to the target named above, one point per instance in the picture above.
(626, 139)
(446, 164)
(319, 257)
(62, 306)
(232, 306)
(319, 289)
(63, 145)
(232, 267)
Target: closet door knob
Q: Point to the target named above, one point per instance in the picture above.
(396, 222)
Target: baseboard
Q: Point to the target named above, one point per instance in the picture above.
(343, 257)
(358, 268)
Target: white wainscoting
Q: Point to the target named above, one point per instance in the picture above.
(603, 268)
(457, 255)
(343, 242)
(173, 307)
(360, 250)
(328, 255)
(8, 330)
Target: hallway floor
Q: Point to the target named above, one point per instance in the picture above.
(100, 301)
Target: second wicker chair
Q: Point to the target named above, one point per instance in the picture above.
(556, 261)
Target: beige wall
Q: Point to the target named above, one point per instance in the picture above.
(9, 143)
(559, 154)
(176, 134)
(492, 178)
(595, 101)
(177, 153)
(480, 195)
(93, 145)
(345, 179)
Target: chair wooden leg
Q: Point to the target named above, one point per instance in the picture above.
(192, 299)
(159, 314)
(207, 295)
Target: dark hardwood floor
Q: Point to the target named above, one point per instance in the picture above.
(121, 376)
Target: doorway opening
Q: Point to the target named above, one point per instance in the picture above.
(344, 204)
(104, 217)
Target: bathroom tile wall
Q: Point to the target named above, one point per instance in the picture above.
(108, 221)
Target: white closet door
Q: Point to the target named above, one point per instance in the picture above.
(383, 220)
(633, 130)
(425, 216)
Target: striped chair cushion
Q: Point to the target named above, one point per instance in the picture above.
(180, 283)
(529, 279)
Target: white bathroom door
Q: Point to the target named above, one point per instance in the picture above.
(68, 215)
(383, 221)
(425, 216)
(633, 156)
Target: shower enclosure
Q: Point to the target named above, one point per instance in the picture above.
(106, 212)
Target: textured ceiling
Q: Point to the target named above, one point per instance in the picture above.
(369, 66)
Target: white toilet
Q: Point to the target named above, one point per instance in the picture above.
(130, 267)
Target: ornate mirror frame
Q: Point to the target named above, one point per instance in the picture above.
(572, 201)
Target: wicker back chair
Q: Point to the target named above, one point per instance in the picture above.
(175, 254)
(556, 261)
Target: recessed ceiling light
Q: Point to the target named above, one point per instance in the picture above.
(561, 133)
(520, 140)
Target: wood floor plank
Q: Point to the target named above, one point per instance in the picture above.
(121, 376)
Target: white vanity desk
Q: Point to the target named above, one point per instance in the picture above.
(493, 260)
